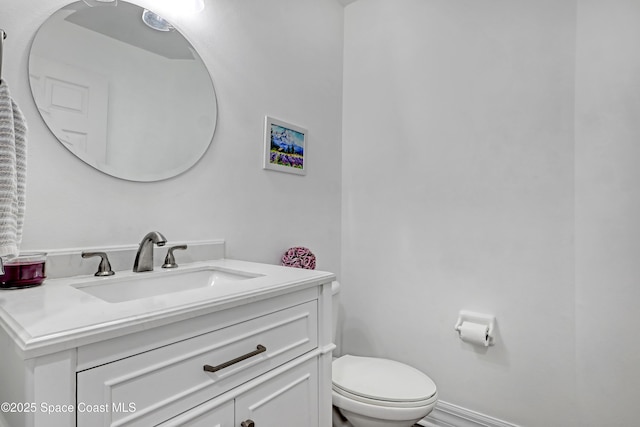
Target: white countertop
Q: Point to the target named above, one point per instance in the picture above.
(56, 316)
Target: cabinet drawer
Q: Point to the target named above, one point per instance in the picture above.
(153, 386)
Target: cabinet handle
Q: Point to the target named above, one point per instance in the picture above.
(248, 423)
(258, 350)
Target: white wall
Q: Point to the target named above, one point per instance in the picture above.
(458, 193)
(608, 211)
(508, 136)
(282, 58)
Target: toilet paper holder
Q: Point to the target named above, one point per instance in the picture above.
(487, 320)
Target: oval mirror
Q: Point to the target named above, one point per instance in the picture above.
(128, 96)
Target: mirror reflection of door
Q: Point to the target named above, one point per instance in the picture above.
(76, 102)
(128, 99)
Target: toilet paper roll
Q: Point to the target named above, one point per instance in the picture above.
(474, 333)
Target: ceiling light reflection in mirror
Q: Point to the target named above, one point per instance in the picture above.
(179, 7)
(131, 101)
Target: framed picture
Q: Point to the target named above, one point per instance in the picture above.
(284, 147)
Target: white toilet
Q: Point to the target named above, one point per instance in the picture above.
(373, 392)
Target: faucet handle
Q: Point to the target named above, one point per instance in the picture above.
(104, 269)
(170, 259)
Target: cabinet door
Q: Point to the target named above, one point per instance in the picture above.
(288, 400)
(204, 416)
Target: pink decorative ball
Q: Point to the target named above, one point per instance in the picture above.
(299, 257)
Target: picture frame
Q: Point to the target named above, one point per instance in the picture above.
(285, 147)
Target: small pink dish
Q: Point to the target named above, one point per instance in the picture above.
(24, 271)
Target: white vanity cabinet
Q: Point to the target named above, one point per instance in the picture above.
(205, 416)
(286, 400)
(148, 388)
(261, 357)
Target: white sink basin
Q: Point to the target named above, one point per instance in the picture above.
(149, 284)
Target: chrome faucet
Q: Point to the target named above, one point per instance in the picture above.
(144, 257)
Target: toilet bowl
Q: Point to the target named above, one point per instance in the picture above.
(375, 392)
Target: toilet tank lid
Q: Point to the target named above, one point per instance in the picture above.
(381, 379)
(335, 287)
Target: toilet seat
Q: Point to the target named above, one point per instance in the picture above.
(383, 403)
(382, 382)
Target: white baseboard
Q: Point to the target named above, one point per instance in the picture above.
(449, 415)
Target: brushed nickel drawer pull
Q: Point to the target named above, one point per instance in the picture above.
(258, 350)
(248, 423)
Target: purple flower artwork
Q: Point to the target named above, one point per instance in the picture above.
(287, 147)
(284, 147)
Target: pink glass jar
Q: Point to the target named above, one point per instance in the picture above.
(24, 271)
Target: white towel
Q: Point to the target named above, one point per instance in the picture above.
(13, 170)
